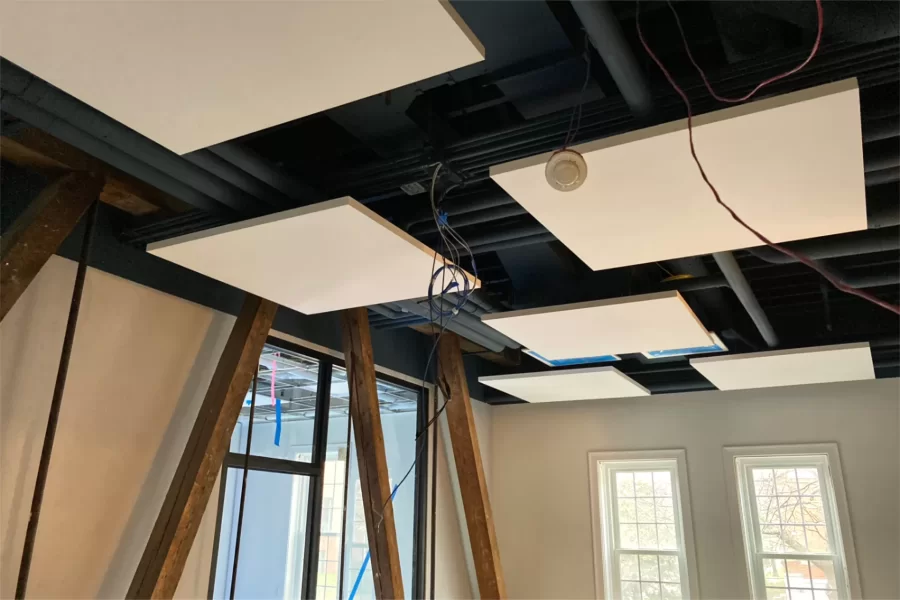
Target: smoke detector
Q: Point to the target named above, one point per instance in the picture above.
(566, 170)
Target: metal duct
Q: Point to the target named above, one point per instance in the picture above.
(461, 206)
(742, 290)
(95, 127)
(845, 244)
(605, 34)
(474, 218)
(481, 335)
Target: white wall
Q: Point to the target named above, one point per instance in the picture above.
(141, 363)
(540, 476)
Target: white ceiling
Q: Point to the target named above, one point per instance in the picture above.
(189, 74)
(659, 321)
(571, 384)
(821, 364)
(328, 256)
(791, 166)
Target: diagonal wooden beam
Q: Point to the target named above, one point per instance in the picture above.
(33, 149)
(373, 472)
(467, 455)
(40, 229)
(179, 518)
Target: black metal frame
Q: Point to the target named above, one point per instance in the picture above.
(315, 469)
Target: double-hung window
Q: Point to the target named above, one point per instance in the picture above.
(791, 526)
(643, 544)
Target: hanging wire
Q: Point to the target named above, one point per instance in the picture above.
(240, 521)
(451, 242)
(578, 109)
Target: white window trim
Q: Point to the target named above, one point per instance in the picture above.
(830, 450)
(681, 487)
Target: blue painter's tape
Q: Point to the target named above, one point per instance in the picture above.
(684, 351)
(277, 421)
(568, 362)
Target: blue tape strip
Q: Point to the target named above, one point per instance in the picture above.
(365, 562)
(277, 421)
(567, 362)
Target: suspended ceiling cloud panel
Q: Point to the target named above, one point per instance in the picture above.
(328, 256)
(641, 323)
(791, 166)
(191, 74)
(574, 384)
(822, 364)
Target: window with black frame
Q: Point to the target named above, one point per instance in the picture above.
(303, 496)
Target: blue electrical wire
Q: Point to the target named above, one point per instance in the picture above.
(365, 562)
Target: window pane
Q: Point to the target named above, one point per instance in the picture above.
(798, 574)
(631, 591)
(808, 480)
(628, 567)
(643, 483)
(662, 483)
(627, 512)
(767, 509)
(774, 572)
(650, 591)
(794, 538)
(669, 569)
(273, 535)
(399, 424)
(786, 482)
(822, 574)
(801, 594)
(666, 537)
(628, 536)
(671, 591)
(649, 567)
(647, 537)
(646, 512)
(817, 539)
(777, 594)
(813, 513)
(625, 484)
(764, 482)
(665, 513)
(286, 383)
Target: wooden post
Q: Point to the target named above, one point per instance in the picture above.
(179, 519)
(373, 472)
(467, 454)
(39, 230)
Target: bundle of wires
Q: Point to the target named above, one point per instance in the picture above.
(453, 280)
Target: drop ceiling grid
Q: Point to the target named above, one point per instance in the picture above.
(821, 364)
(660, 321)
(572, 384)
(328, 256)
(192, 74)
(790, 165)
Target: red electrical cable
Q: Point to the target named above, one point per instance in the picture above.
(784, 250)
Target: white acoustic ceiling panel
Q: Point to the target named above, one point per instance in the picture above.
(822, 364)
(574, 384)
(328, 256)
(614, 326)
(191, 74)
(791, 166)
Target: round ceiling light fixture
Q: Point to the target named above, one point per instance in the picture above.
(566, 170)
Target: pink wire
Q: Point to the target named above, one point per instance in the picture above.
(784, 250)
(274, 370)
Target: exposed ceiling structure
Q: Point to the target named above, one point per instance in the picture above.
(538, 78)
